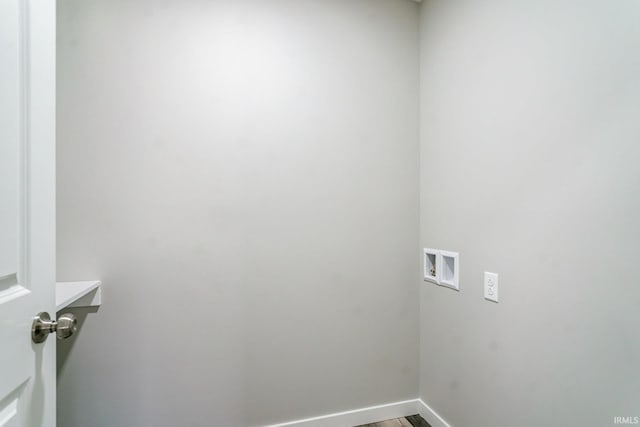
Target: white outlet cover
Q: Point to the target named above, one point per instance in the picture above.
(432, 264)
(491, 286)
(450, 270)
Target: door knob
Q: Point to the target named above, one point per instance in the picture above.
(42, 326)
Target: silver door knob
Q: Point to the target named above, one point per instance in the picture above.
(42, 326)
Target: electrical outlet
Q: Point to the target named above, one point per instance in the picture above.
(491, 286)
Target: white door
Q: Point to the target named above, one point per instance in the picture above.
(27, 210)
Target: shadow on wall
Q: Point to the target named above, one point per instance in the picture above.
(66, 346)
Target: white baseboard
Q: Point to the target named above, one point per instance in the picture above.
(359, 416)
(372, 414)
(430, 415)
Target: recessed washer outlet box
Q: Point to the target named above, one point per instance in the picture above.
(432, 265)
(450, 270)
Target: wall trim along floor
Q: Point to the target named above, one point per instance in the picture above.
(371, 415)
(358, 416)
(430, 415)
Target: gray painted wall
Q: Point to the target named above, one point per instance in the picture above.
(243, 177)
(530, 141)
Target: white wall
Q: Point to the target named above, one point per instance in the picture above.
(243, 177)
(530, 142)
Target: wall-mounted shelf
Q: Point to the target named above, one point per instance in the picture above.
(78, 294)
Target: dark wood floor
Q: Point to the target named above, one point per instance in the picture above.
(411, 421)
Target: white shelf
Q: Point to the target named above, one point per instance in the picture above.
(78, 294)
